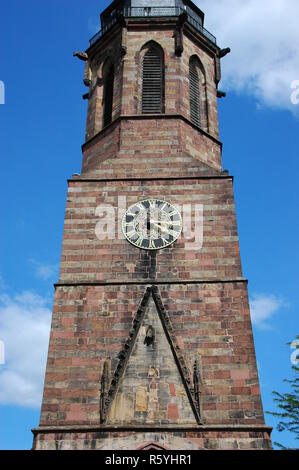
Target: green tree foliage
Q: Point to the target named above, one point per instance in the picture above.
(288, 407)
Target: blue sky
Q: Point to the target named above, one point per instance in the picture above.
(42, 129)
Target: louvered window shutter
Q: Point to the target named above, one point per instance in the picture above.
(108, 96)
(152, 82)
(195, 104)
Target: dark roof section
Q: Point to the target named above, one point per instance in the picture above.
(150, 9)
(189, 6)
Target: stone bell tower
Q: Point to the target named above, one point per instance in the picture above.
(151, 342)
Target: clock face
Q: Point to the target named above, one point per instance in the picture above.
(152, 224)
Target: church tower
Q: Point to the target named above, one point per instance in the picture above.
(151, 343)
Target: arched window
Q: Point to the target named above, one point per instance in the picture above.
(108, 75)
(153, 80)
(198, 99)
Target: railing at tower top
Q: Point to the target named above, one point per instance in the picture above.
(143, 12)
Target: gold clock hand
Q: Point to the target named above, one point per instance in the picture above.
(160, 226)
(167, 231)
(166, 222)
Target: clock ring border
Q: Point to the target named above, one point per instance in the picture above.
(152, 249)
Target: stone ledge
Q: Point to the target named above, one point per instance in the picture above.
(80, 179)
(150, 428)
(149, 282)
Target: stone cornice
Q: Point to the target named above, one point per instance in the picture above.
(83, 179)
(148, 23)
(150, 428)
(148, 282)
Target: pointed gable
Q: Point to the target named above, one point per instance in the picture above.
(152, 387)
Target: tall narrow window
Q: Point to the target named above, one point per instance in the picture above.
(195, 93)
(108, 95)
(153, 81)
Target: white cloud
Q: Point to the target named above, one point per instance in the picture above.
(264, 38)
(24, 329)
(44, 271)
(263, 307)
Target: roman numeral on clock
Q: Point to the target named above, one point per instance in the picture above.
(152, 224)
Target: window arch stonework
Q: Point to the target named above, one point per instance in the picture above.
(198, 101)
(108, 93)
(151, 79)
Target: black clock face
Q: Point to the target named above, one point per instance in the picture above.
(152, 224)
